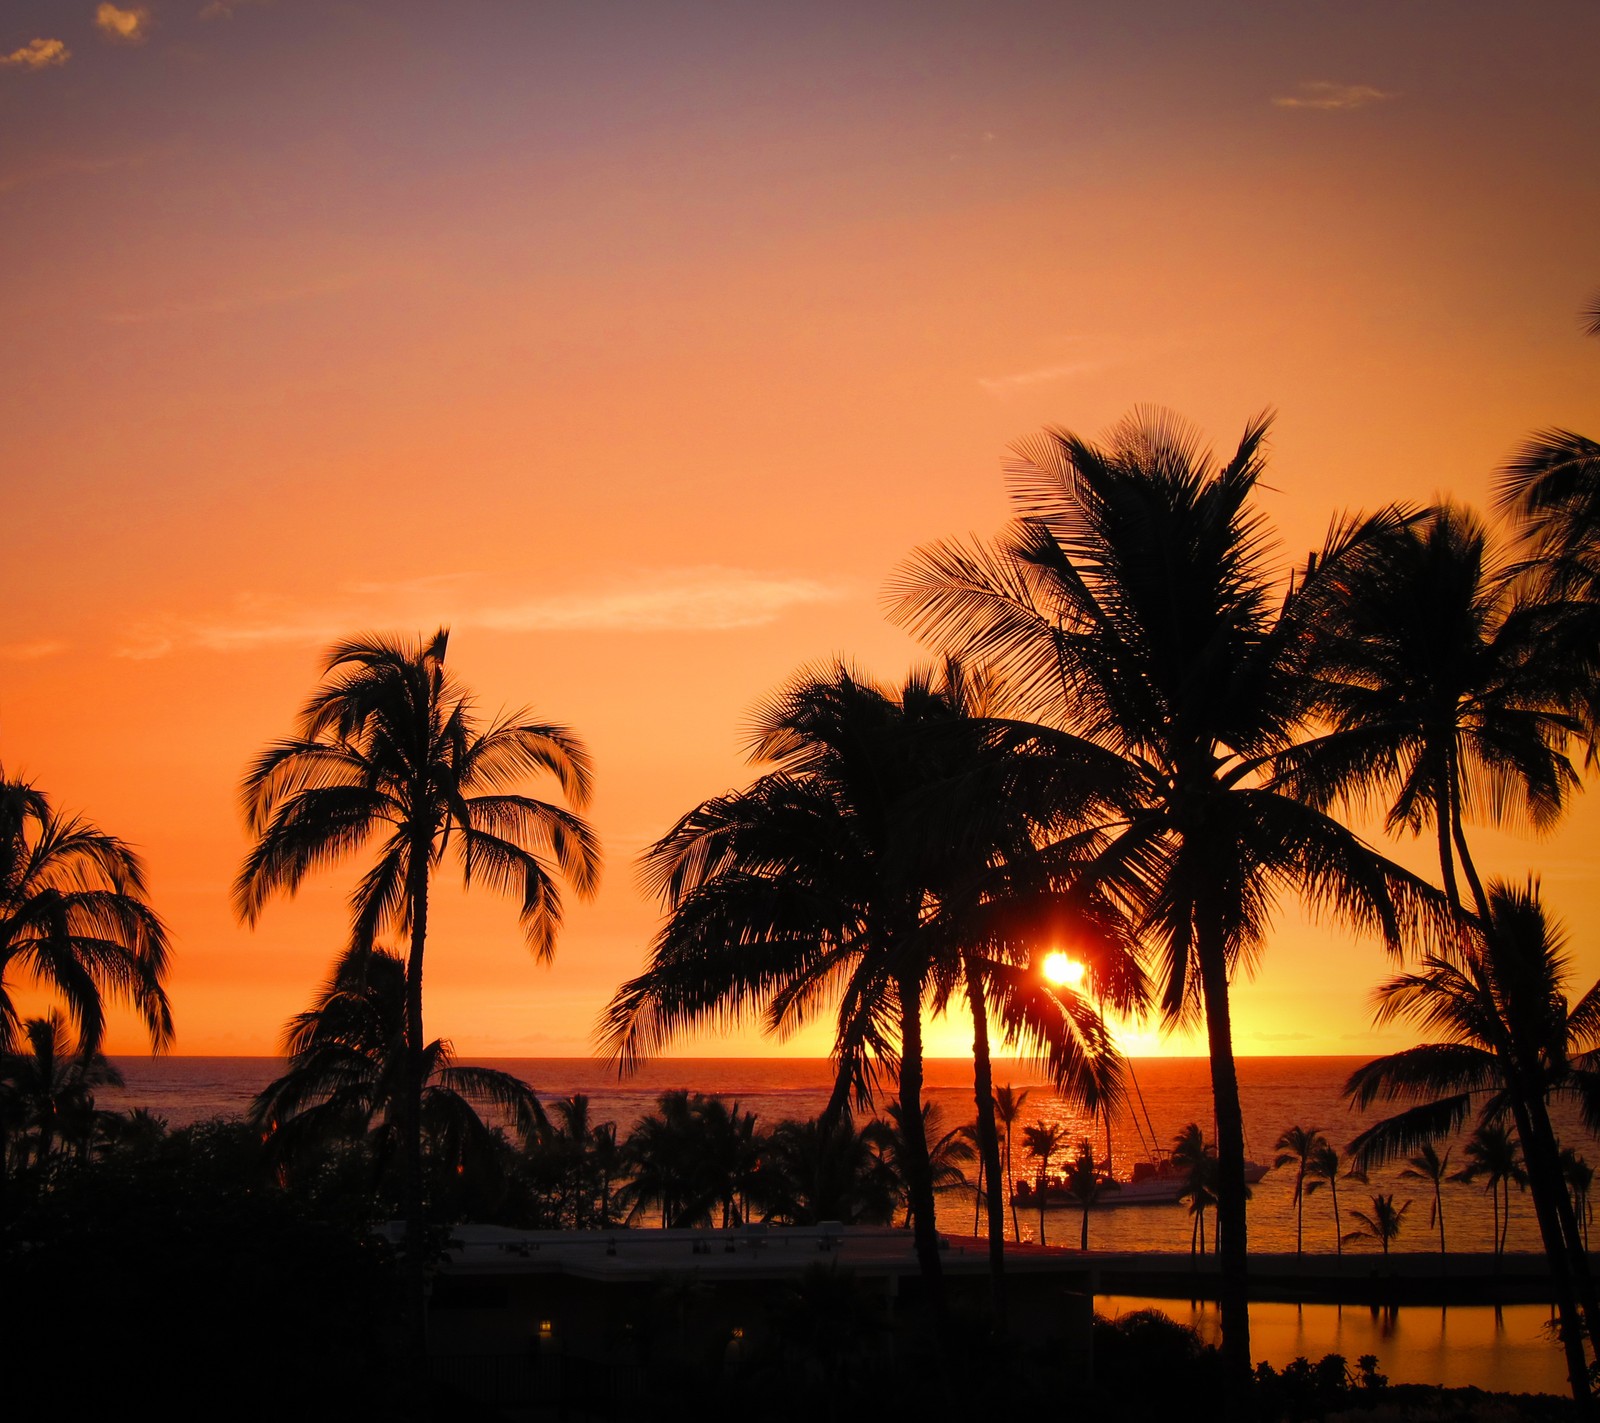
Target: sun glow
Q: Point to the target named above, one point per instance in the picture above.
(1063, 971)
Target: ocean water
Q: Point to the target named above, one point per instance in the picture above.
(1505, 1349)
(1170, 1092)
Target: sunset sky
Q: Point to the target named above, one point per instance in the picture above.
(640, 343)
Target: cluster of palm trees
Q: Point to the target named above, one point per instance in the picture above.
(1143, 732)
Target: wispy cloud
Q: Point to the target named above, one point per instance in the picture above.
(1320, 94)
(130, 26)
(688, 600)
(1042, 375)
(38, 54)
(31, 651)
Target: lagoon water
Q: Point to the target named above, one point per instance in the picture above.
(1502, 1350)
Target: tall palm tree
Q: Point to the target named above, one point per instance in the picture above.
(1043, 1140)
(1296, 1147)
(876, 865)
(1427, 1165)
(1507, 1042)
(1443, 701)
(1134, 603)
(1451, 694)
(346, 1079)
(388, 752)
(1382, 1223)
(75, 920)
(1008, 1104)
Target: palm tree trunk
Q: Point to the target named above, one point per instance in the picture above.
(918, 1169)
(1338, 1227)
(1555, 1248)
(988, 1141)
(1011, 1190)
(416, 1221)
(1300, 1207)
(1231, 1239)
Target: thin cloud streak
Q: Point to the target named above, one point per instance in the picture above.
(1320, 94)
(32, 651)
(707, 599)
(1000, 385)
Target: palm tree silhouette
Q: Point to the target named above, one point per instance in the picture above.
(1086, 1183)
(1493, 1154)
(1443, 701)
(1323, 1168)
(1008, 1105)
(50, 1089)
(1382, 1223)
(1579, 1177)
(388, 748)
(75, 921)
(1296, 1147)
(1197, 1160)
(875, 864)
(1508, 1042)
(1043, 1140)
(1133, 603)
(346, 1079)
(1427, 1165)
(827, 1169)
(1449, 694)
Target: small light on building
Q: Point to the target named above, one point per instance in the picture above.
(546, 1329)
(738, 1333)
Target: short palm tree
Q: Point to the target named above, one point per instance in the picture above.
(1382, 1223)
(75, 920)
(1008, 1104)
(1196, 1160)
(1427, 1165)
(346, 1080)
(389, 753)
(1134, 604)
(1043, 1140)
(49, 1088)
(1493, 1154)
(1296, 1147)
(1086, 1184)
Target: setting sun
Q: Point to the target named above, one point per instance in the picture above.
(1061, 970)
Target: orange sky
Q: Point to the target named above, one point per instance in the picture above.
(640, 343)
